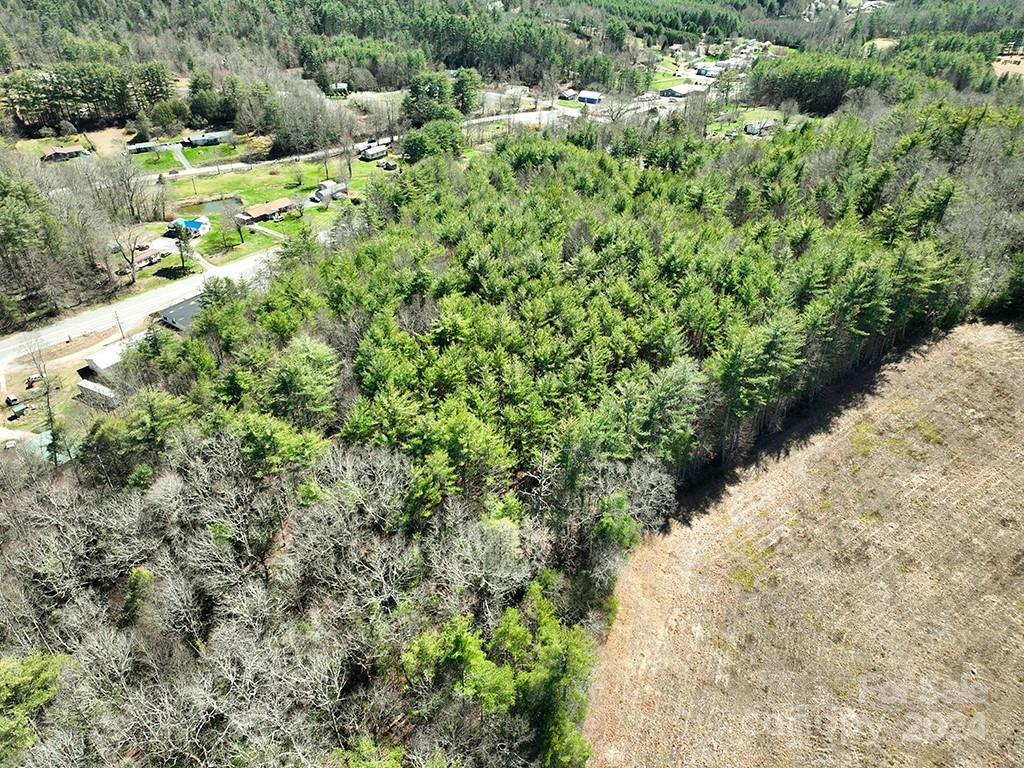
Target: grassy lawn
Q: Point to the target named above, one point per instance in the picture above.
(735, 118)
(761, 113)
(363, 171)
(215, 154)
(156, 162)
(63, 388)
(665, 82)
(371, 101)
(222, 247)
(315, 217)
(570, 103)
(256, 185)
(167, 270)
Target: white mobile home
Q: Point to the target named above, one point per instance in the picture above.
(374, 153)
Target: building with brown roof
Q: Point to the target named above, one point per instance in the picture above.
(264, 211)
(56, 154)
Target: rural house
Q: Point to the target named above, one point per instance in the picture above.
(196, 227)
(589, 97)
(264, 211)
(142, 146)
(59, 154)
(328, 190)
(180, 316)
(680, 91)
(708, 70)
(104, 361)
(374, 153)
(208, 139)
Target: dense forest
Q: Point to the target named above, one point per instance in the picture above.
(369, 510)
(373, 44)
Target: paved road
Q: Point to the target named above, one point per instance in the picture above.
(133, 310)
(179, 156)
(130, 311)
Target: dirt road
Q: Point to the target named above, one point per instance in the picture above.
(855, 599)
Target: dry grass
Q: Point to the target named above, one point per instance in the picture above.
(65, 348)
(1011, 65)
(109, 141)
(851, 600)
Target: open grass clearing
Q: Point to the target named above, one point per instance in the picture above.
(255, 185)
(665, 82)
(215, 154)
(735, 118)
(222, 246)
(157, 162)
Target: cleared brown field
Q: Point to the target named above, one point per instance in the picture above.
(1009, 65)
(856, 598)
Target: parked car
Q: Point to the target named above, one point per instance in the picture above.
(11, 400)
(387, 165)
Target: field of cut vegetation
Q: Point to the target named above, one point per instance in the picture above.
(854, 598)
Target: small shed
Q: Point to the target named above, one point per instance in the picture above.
(181, 315)
(97, 395)
(340, 88)
(589, 97)
(569, 94)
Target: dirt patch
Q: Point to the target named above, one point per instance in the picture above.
(1009, 65)
(883, 43)
(65, 348)
(855, 600)
(109, 141)
(14, 434)
(181, 86)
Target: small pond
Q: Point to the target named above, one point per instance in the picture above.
(210, 207)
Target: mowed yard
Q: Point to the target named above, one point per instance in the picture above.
(856, 598)
(204, 195)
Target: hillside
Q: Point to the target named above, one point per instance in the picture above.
(852, 598)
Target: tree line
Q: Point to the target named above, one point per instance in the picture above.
(92, 93)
